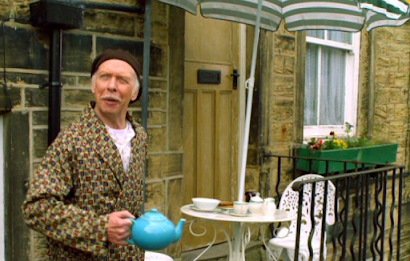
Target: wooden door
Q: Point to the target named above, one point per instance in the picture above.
(210, 116)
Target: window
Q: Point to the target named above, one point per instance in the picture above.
(331, 81)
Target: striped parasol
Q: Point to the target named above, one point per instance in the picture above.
(394, 9)
(342, 15)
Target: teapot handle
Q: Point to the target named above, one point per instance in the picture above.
(129, 239)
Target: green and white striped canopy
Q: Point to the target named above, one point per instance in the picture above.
(394, 9)
(343, 15)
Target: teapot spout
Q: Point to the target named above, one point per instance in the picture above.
(178, 230)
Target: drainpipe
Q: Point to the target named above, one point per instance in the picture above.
(54, 85)
(370, 106)
(145, 82)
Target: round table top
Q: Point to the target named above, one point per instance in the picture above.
(225, 215)
(153, 256)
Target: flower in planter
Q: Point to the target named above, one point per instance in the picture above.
(333, 142)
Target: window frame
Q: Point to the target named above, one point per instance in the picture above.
(352, 87)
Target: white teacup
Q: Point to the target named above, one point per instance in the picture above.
(240, 207)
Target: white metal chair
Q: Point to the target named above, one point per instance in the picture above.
(286, 236)
(153, 256)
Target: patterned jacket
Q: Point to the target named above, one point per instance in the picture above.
(80, 181)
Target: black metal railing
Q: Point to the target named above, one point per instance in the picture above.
(368, 209)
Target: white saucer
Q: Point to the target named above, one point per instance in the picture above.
(226, 208)
(204, 210)
(232, 213)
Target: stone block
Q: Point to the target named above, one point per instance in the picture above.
(283, 87)
(36, 97)
(155, 196)
(401, 79)
(158, 84)
(26, 78)
(158, 100)
(15, 95)
(283, 131)
(25, 48)
(401, 112)
(40, 117)
(154, 170)
(76, 98)
(85, 81)
(157, 118)
(384, 79)
(68, 80)
(278, 66)
(77, 52)
(383, 34)
(398, 96)
(283, 109)
(382, 97)
(380, 111)
(68, 117)
(157, 139)
(172, 164)
(289, 65)
(40, 139)
(117, 23)
(285, 45)
(136, 48)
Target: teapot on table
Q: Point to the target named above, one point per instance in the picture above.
(256, 204)
(154, 231)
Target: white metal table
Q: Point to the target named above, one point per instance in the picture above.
(242, 230)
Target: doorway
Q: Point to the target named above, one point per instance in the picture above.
(211, 115)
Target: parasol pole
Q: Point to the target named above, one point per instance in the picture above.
(249, 84)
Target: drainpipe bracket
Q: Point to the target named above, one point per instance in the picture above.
(52, 84)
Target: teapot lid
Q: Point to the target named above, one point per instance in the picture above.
(256, 198)
(154, 214)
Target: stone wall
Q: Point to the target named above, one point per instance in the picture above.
(27, 51)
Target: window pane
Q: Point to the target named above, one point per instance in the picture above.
(342, 37)
(311, 85)
(316, 33)
(332, 92)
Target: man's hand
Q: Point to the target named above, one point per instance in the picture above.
(119, 227)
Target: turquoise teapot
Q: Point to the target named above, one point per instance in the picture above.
(154, 231)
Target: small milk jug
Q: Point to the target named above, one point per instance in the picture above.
(269, 207)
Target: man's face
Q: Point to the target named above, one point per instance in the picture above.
(113, 88)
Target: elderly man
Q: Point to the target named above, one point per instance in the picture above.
(90, 181)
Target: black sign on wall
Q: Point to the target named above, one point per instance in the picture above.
(209, 76)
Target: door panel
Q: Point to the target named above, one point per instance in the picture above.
(210, 120)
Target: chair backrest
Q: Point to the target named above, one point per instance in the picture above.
(290, 202)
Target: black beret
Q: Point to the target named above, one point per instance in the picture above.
(119, 55)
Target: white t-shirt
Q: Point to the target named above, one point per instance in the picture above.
(122, 139)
